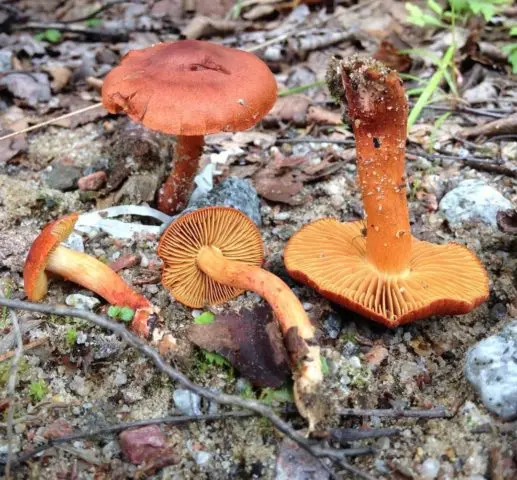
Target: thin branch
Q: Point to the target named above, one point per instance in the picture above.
(438, 412)
(28, 346)
(11, 387)
(341, 141)
(96, 12)
(52, 120)
(94, 33)
(218, 397)
(177, 420)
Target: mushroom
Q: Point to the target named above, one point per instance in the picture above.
(47, 255)
(213, 254)
(376, 267)
(189, 88)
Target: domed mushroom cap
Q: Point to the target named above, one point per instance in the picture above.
(191, 87)
(234, 234)
(34, 276)
(331, 257)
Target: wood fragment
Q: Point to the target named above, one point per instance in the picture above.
(502, 126)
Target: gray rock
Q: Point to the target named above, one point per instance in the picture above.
(5, 60)
(187, 402)
(33, 87)
(491, 366)
(294, 463)
(63, 177)
(473, 201)
(83, 302)
(332, 325)
(232, 192)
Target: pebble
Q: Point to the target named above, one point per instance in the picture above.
(509, 151)
(75, 242)
(376, 355)
(120, 379)
(491, 366)
(294, 463)
(6, 57)
(473, 201)
(63, 177)
(84, 302)
(429, 469)
(332, 325)
(78, 385)
(92, 182)
(139, 444)
(187, 402)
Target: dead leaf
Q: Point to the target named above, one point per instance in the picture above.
(292, 108)
(278, 189)
(507, 221)
(60, 77)
(251, 341)
(11, 147)
(205, 27)
(322, 116)
(388, 54)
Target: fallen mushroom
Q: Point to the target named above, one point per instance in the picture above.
(47, 255)
(376, 267)
(189, 88)
(213, 254)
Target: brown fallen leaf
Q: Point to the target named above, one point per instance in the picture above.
(322, 116)
(291, 108)
(507, 221)
(201, 26)
(60, 77)
(251, 341)
(11, 147)
(388, 54)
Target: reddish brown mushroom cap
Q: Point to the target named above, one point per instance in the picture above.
(34, 277)
(191, 87)
(441, 279)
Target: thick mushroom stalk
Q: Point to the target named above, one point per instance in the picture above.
(379, 118)
(46, 255)
(382, 272)
(212, 255)
(174, 193)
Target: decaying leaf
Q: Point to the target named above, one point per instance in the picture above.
(251, 341)
(507, 221)
(388, 54)
(292, 108)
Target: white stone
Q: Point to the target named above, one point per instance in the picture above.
(491, 366)
(473, 201)
(83, 302)
(430, 469)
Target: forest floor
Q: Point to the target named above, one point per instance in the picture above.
(78, 377)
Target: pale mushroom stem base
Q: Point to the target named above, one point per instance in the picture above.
(289, 312)
(175, 191)
(94, 275)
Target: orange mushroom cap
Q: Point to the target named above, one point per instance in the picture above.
(34, 276)
(191, 87)
(225, 228)
(330, 256)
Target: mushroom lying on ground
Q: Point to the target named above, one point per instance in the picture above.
(47, 255)
(189, 88)
(212, 255)
(382, 272)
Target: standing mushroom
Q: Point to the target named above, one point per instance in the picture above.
(189, 88)
(212, 255)
(47, 255)
(382, 271)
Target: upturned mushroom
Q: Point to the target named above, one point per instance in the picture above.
(189, 88)
(46, 255)
(376, 267)
(213, 254)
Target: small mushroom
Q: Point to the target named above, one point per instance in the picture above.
(189, 88)
(376, 267)
(47, 255)
(213, 254)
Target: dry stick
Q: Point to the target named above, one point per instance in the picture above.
(112, 35)
(177, 376)
(11, 385)
(439, 412)
(96, 12)
(178, 420)
(28, 346)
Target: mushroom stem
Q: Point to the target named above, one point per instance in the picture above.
(295, 324)
(101, 279)
(175, 191)
(378, 109)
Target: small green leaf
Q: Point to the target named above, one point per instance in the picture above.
(324, 366)
(71, 337)
(50, 35)
(93, 22)
(114, 311)
(513, 31)
(280, 395)
(206, 318)
(435, 7)
(37, 390)
(126, 314)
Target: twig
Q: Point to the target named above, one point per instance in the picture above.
(28, 346)
(343, 435)
(96, 12)
(335, 141)
(439, 412)
(488, 428)
(502, 126)
(95, 33)
(177, 420)
(172, 373)
(52, 120)
(11, 386)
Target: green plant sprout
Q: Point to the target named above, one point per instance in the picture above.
(50, 35)
(125, 314)
(71, 337)
(37, 390)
